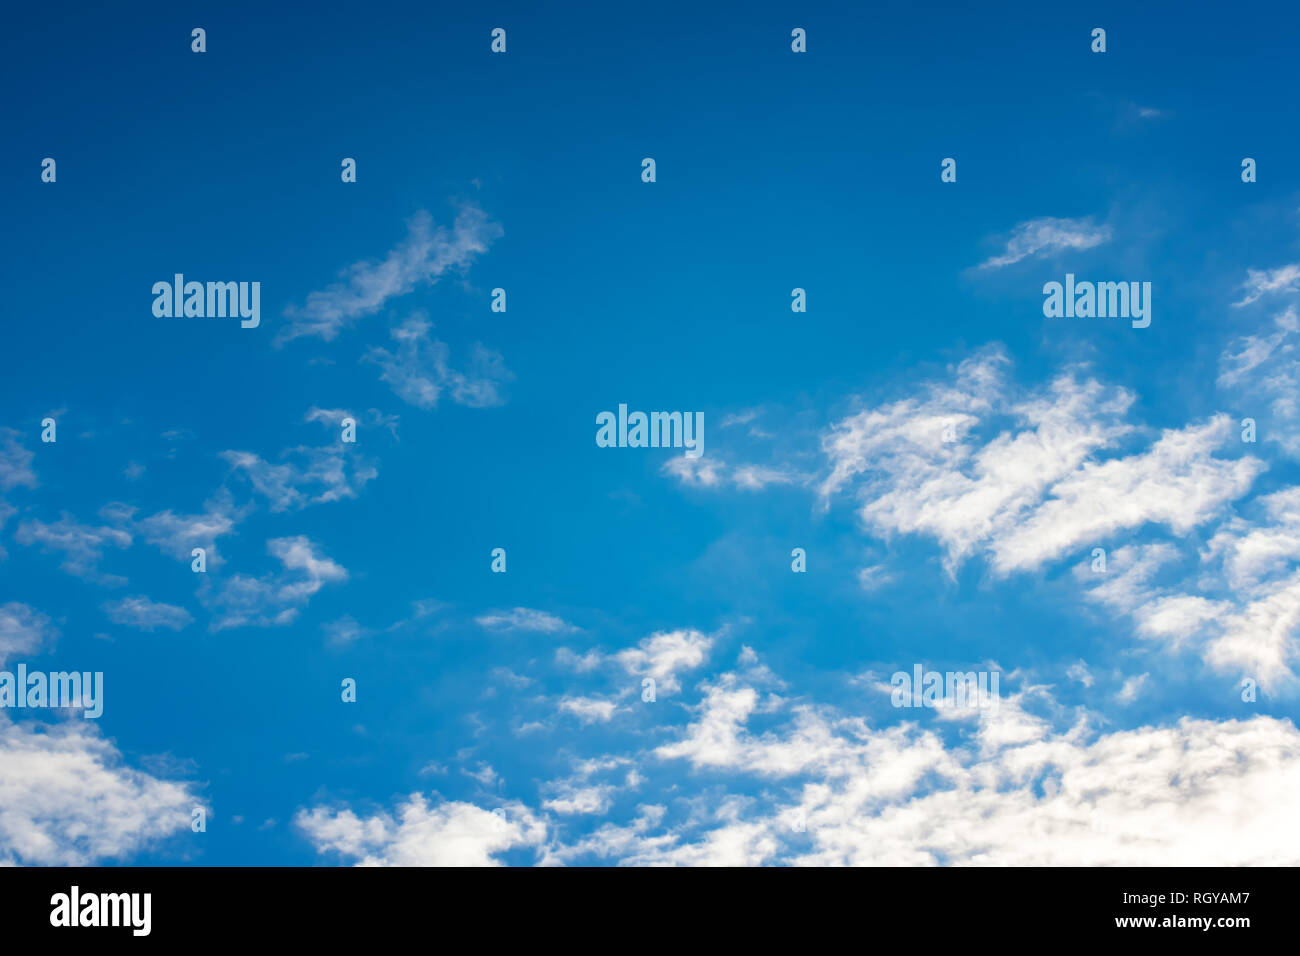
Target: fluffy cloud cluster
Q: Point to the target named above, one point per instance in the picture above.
(421, 833)
(1034, 487)
(1239, 605)
(788, 781)
(67, 800)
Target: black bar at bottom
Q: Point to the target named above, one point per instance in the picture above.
(333, 906)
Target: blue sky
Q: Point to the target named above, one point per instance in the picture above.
(1122, 735)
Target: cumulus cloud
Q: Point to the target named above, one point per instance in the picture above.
(794, 782)
(421, 833)
(67, 800)
(791, 781)
(589, 710)
(1019, 793)
(580, 794)
(1177, 482)
(664, 655)
(1238, 606)
(1036, 489)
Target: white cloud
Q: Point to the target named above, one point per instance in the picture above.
(146, 615)
(1263, 372)
(66, 799)
(23, 630)
(1132, 688)
(332, 418)
(705, 472)
(580, 795)
(1239, 609)
(310, 476)
(82, 545)
(177, 535)
(345, 631)
(419, 371)
(1079, 672)
(1176, 482)
(1035, 490)
(696, 472)
(273, 600)
(449, 833)
(589, 710)
(664, 655)
(1048, 235)
(1019, 793)
(581, 800)
(524, 619)
(1262, 282)
(743, 417)
(423, 257)
(1030, 784)
(15, 462)
(874, 577)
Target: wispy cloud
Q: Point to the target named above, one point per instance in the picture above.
(589, 710)
(714, 473)
(81, 545)
(1238, 606)
(427, 253)
(344, 631)
(419, 371)
(1047, 235)
(146, 615)
(273, 600)
(333, 418)
(1262, 282)
(524, 619)
(23, 630)
(307, 476)
(15, 461)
